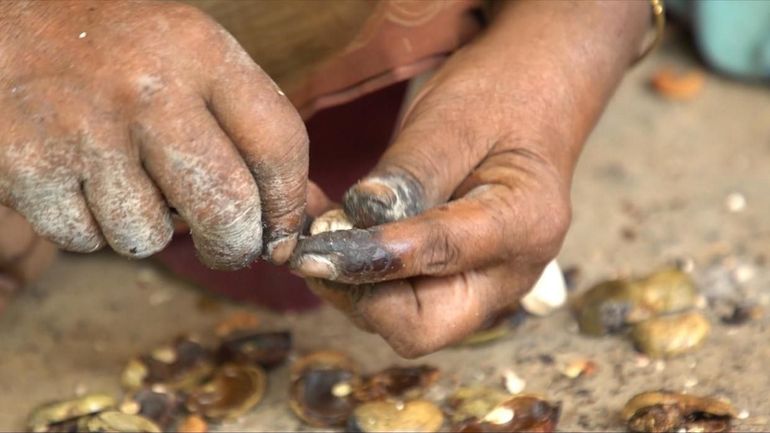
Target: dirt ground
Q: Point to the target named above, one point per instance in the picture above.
(651, 189)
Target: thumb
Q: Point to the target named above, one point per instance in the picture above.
(432, 154)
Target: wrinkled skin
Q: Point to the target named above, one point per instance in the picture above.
(471, 200)
(113, 113)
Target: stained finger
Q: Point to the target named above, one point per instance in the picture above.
(465, 234)
(132, 215)
(270, 136)
(430, 157)
(202, 176)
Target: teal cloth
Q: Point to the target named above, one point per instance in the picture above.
(732, 35)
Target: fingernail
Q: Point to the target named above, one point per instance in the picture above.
(280, 249)
(313, 265)
(380, 200)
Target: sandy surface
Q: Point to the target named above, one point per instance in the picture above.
(650, 190)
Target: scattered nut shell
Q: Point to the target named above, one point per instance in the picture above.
(549, 292)
(513, 383)
(474, 403)
(664, 411)
(390, 416)
(399, 382)
(231, 392)
(577, 366)
(314, 379)
(156, 404)
(177, 366)
(266, 349)
(609, 307)
(671, 335)
(43, 417)
(525, 413)
(114, 421)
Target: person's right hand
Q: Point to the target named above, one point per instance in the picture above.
(114, 112)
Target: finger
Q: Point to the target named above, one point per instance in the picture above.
(58, 212)
(270, 136)
(131, 213)
(421, 315)
(429, 158)
(468, 233)
(204, 178)
(39, 178)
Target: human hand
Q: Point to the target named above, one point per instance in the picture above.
(116, 112)
(471, 201)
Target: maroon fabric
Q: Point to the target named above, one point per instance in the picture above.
(345, 143)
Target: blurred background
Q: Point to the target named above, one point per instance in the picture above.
(677, 173)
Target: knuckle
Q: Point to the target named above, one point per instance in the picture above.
(190, 16)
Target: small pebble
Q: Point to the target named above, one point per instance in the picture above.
(735, 202)
(691, 382)
(660, 365)
(513, 383)
(577, 366)
(642, 361)
(82, 35)
(743, 414)
(743, 273)
(160, 297)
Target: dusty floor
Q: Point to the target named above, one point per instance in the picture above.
(650, 190)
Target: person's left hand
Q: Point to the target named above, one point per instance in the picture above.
(471, 201)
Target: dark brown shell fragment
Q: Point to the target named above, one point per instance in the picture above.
(232, 391)
(180, 365)
(322, 385)
(396, 382)
(266, 349)
(664, 411)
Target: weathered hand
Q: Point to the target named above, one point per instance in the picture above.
(114, 112)
(471, 201)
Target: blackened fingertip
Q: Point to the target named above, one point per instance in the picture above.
(384, 198)
(350, 256)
